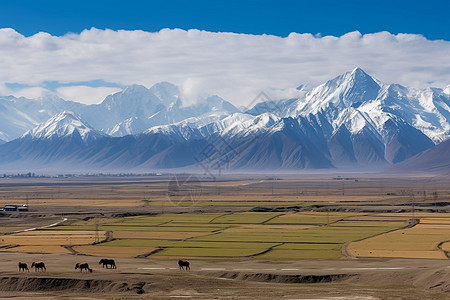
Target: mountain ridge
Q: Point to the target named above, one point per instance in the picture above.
(350, 121)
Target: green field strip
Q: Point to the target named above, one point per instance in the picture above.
(73, 228)
(303, 220)
(323, 234)
(186, 244)
(161, 228)
(190, 225)
(137, 224)
(301, 254)
(308, 246)
(244, 218)
(378, 224)
(180, 218)
(208, 252)
(212, 220)
(276, 216)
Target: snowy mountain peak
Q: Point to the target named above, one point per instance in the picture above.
(350, 89)
(135, 89)
(166, 92)
(358, 72)
(358, 86)
(62, 125)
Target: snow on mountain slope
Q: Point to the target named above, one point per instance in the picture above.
(166, 92)
(62, 125)
(357, 94)
(348, 90)
(350, 121)
(130, 111)
(238, 125)
(133, 125)
(179, 131)
(447, 89)
(17, 115)
(138, 108)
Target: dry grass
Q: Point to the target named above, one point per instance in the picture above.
(112, 251)
(10, 229)
(50, 238)
(420, 241)
(446, 246)
(38, 249)
(387, 253)
(104, 192)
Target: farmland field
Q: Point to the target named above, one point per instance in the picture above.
(420, 241)
(384, 231)
(241, 234)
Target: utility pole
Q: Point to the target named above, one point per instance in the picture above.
(97, 236)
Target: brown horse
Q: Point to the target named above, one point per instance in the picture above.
(108, 262)
(83, 266)
(38, 265)
(23, 267)
(184, 264)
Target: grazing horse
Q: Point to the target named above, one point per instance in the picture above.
(23, 267)
(83, 266)
(38, 265)
(184, 264)
(108, 262)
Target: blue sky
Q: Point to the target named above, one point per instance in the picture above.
(90, 49)
(280, 17)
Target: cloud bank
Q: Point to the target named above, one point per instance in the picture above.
(234, 66)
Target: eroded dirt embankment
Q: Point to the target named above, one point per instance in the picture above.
(283, 278)
(27, 284)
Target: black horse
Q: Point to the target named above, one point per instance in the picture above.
(107, 262)
(184, 264)
(23, 267)
(38, 266)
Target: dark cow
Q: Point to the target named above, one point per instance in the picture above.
(83, 266)
(107, 262)
(184, 264)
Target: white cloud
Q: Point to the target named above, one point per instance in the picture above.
(31, 93)
(234, 66)
(85, 94)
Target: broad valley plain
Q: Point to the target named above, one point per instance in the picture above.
(315, 235)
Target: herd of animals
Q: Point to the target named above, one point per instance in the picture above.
(105, 262)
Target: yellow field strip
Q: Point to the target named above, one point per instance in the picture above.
(38, 249)
(420, 241)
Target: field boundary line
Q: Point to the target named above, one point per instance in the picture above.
(225, 214)
(201, 236)
(265, 251)
(71, 250)
(149, 253)
(263, 223)
(439, 247)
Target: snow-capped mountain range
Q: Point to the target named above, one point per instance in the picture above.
(351, 121)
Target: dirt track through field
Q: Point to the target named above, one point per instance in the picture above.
(41, 227)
